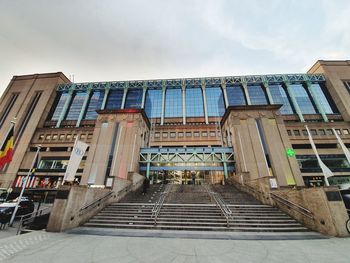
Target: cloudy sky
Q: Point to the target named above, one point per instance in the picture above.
(99, 40)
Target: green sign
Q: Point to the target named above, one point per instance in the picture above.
(290, 152)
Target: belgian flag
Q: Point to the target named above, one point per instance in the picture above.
(6, 150)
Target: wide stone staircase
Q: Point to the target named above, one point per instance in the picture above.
(191, 207)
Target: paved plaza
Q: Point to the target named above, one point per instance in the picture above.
(45, 247)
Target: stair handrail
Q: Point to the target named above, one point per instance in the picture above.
(298, 208)
(27, 217)
(86, 208)
(159, 204)
(225, 210)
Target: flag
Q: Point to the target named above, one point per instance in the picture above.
(6, 150)
(325, 170)
(74, 160)
(342, 145)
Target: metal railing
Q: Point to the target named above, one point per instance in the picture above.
(28, 218)
(295, 207)
(225, 210)
(86, 208)
(159, 204)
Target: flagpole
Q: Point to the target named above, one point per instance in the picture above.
(11, 126)
(24, 182)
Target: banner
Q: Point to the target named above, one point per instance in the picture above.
(342, 145)
(75, 159)
(325, 170)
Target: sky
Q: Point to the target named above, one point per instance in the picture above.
(106, 40)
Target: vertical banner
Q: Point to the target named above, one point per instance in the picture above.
(342, 145)
(325, 170)
(75, 159)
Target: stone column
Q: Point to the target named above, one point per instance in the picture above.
(223, 85)
(104, 102)
(317, 103)
(163, 103)
(124, 95)
(144, 95)
(65, 107)
(205, 102)
(85, 104)
(183, 86)
(294, 101)
(246, 93)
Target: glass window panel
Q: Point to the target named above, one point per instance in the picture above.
(235, 96)
(133, 99)
(215, 101)
(95, 103)
(280, 96)
(321, 98)
(173, 103)
(257, 95)
(62, 100)
(153, 103)
(194, 102)
(76, 105)
(115, 98)
(303, 99)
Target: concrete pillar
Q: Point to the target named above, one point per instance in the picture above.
(223, 85)
(246, 93)
(294, 101)
(85, 104)
(183, 103)
(148, 168)
(205, 102)
(65, 107)
(225, 165)
(163, 103)
(268, 93)
(317, 103)
(124, 95)
(144, 95)
(104, 102)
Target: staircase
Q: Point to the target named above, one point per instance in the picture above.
(189, 207)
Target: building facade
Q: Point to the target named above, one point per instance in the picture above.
(177, 130)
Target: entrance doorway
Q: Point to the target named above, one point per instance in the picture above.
(186, 177)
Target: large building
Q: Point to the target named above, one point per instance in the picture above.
(178, 129)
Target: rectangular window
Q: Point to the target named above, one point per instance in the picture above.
(165, 135)
(180, 134)
(61, 137)
(296, 132)
(76, 105)
(321, 132)
(157, 135)
(305, 132)
(289, 132)
(41, 137)
(69, 136)
(48, 137)
(212, 134)
(188, 134)
(338, 131)
(196, 134)
(313, 132)
(204, 134)
(173, 134)
(82, 136)
(345, 131)
(90, 136)
(54, 137)
(330, 132)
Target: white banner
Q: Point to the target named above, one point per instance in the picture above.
(75, 159)
(342, 145)
(325, 170)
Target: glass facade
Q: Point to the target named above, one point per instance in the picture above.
(279, 96)
(95, 103)
(194, 102)
(59, 106)
(115, 98)
(303, 99)
(173, 103)
(76, 105)
(153, 103)
(133, 99)
(322, 99)
(335, 162)
(215, 101)
(257, 95)
(235, 95)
